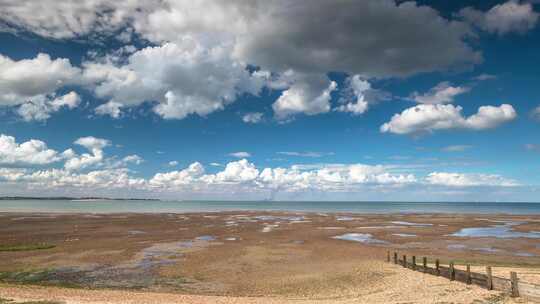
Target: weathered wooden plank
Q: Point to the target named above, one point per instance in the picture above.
(405, 261)
(489, 279)
(514, 284)
(478, 276)
(501, 284)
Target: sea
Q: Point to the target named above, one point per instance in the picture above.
(154, 206)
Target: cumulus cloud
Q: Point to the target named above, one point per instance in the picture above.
(70, 18)
(203, 48)
(134, 158)
(240, 154)
(511, 16)
(385, 38)
(179, 78)
(173, 163)
(442, 93)
(240, 177)
(94, 158)
(32, 152)
(468, 180)
(358, 87)
(253, 117)
(309, 95)
(60, 179)
(40, 107)
(243, 173)
(31, 85)
(432, 117)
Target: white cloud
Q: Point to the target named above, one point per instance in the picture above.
(253, 117)
(32, 152)
(134, 159)
(95, 158)
(27, 78)
(203, 48)
(40, 107)
(31, 85)
(306, 154)
(238, 171)
(468, 180)
(261, 31)
(180, 78)
(442, 93)
(176, 178)
(430, 118)
(239, 178)
(240, 154)
(456, 148)
(308, 95)
(242, 175)
(71, 18)
(511, 16)
(359, 88)
(93, 143)
(173, 163)
(111, 108)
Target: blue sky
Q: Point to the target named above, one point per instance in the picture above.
(370, 100)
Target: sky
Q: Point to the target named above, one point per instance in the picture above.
(373, 100)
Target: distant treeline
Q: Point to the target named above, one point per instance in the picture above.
(74, 198)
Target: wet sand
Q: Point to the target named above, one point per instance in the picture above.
(272, 256)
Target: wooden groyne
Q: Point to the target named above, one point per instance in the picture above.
(512, 285)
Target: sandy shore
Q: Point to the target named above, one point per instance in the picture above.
(399, 286)
(254, 257)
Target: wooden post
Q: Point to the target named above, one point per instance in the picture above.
(405, 261)
(424, 263)
(452, 271)
(469, 278)
(514, 283)
(489, 283)
(414, 262)
(437, 269)
(388, 256)
(395, 258)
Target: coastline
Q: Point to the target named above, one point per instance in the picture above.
(288, 255)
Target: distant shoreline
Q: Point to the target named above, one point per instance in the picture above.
(66, 198)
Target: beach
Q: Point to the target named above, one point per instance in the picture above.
(256, 257)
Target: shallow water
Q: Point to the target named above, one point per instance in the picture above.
(365, 238)
(121, 206)
(497, 231)
(410, 224)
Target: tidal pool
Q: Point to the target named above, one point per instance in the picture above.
(403, 223)
(497, 231)
(365, 238)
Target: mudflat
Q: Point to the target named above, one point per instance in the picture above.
(272, 256)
